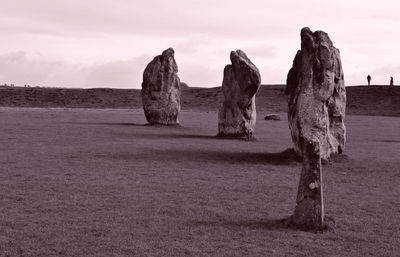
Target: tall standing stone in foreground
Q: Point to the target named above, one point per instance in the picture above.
(237, 114)
(161, 90)
(309, 211)
(317, 95)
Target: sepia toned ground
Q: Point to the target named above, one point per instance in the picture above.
(97, 182)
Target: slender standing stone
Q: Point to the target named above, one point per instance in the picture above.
(309, 211)
(237, 114)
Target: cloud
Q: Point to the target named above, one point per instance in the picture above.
(19, 68)
(273, 75)
(122, 74)
(262, 50)
(100, 43)
(172, 18)
(199, 75)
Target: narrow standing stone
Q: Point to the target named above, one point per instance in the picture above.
(309, 211)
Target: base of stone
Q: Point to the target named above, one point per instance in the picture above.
(328, 225)
(287, 224)
(336, 158)
(307, 217)
(163, 124)
(237, 136)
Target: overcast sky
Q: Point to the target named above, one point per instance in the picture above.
(108, 43)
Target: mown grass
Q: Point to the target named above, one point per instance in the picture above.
(77, 182)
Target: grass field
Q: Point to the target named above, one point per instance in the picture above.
(91, 182)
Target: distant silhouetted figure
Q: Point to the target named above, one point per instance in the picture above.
(391, 81)
(369, 80)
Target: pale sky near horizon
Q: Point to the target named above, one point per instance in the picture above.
(108, 43)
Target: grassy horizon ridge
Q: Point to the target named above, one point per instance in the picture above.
(361, 100)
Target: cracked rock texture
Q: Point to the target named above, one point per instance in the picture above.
(237, 113)
(317, 95)
(309, 211)
(161, 90)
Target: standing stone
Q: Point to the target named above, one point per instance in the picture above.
(309, 211)
(237, 113)
(317, 95)
(161, 90)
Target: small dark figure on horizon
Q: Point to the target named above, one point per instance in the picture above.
(391, 81)
(369, 80)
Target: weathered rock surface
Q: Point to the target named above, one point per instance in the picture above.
(317, 95)
(237, 113)
(161, 90)
(309, 211)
